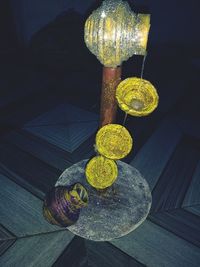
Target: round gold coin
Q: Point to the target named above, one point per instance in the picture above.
(101, 172)
(114, 141)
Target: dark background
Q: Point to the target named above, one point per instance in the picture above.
(173, 22)
(44, 63)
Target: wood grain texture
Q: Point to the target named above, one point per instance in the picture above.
(176, 177)
(29, 168)
(74, 255)
(94, 254)
(66, 126)
(44, 161)
(182, 223)
(169, 161)
(39, 148)
(21, 212)
(21, 182)
(169, 193)
(104, 254)
(189, 123)
(154, 155)
(40, 250)
(6, 239)
(193, 209)
(193, 193)
(157, 247)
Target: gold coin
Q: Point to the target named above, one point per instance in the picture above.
(101, 172)
(114, 141)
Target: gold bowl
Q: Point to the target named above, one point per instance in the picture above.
(137, 97)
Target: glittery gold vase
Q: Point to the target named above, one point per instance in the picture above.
(62, 205)
(113, 33)
(137, 97)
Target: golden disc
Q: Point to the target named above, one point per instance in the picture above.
(137, 97)
(101, 172)
(114, 141)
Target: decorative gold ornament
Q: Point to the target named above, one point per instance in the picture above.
(101, 172)
(113, 33)
(137, 97)
(114, 141)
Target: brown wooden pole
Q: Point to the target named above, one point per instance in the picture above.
(110, 81)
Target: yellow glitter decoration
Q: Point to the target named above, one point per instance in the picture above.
(80, 194)
(101, 172)
(114, 141)
(143, 27)
(113, 33)
(137, 97)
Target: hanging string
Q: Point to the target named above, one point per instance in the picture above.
(142, 70)
(125, 118)
(143, 65)
(141, 76)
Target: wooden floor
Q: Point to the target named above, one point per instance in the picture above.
(40, 145)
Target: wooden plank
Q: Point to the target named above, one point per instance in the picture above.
(170, 190)
(180, 222)
(104, 254)
(37, 173)
(193, 209)
(39, 148)
(20, 181)
(190, 126)
(156, 247)
(193, 193)
(66, 126)
(21, 212)
(172, 185)
(74, 255)
(6, 239)
(94, 254)
(154, 155)
(40, 250)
